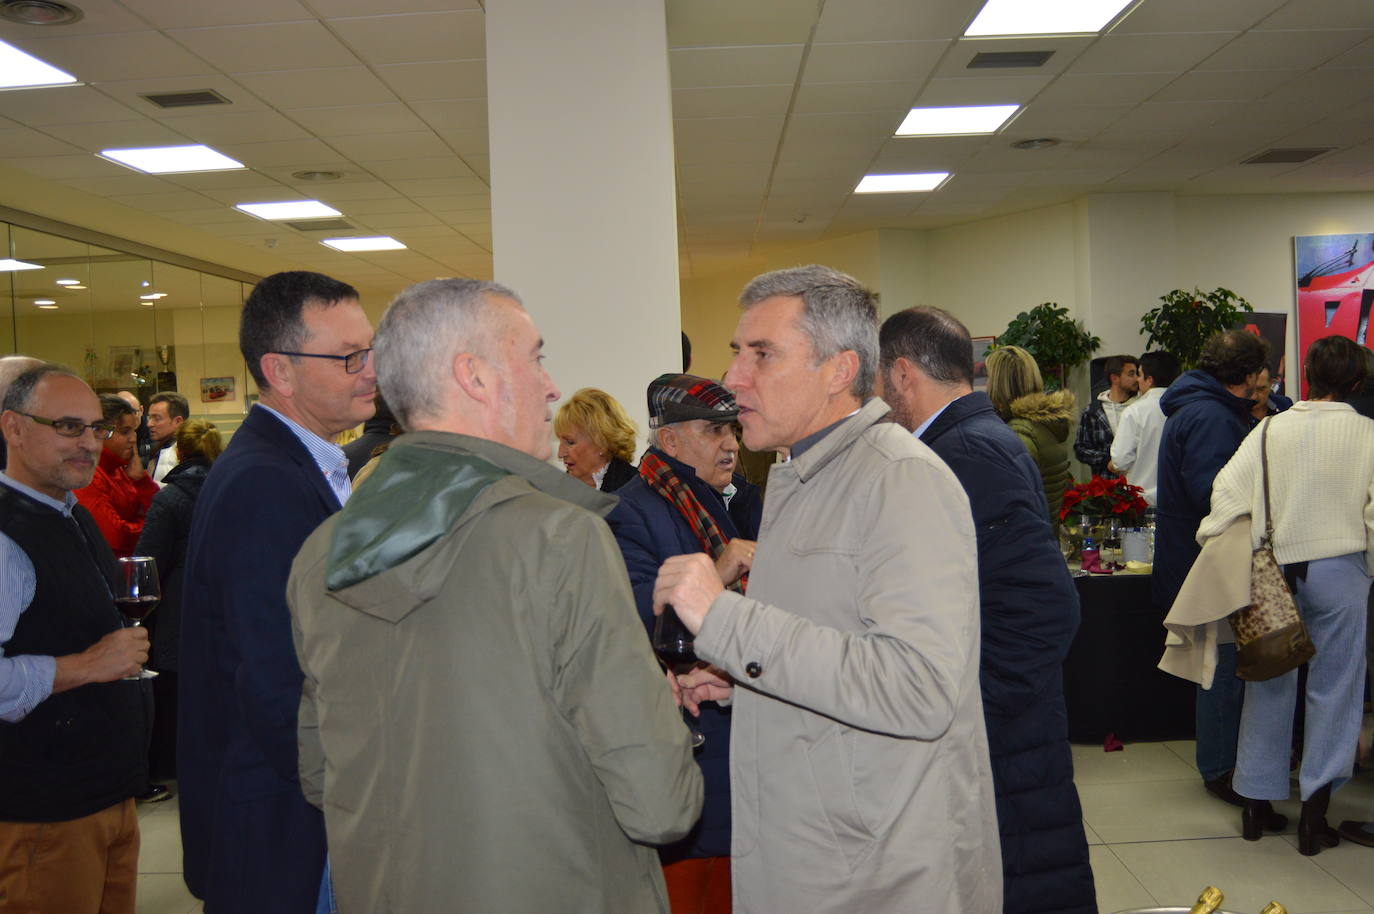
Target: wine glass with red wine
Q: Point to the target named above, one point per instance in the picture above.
(676, 647)
(137, 592)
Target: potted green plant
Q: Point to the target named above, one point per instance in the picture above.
(1185, 320)
(1056, 341)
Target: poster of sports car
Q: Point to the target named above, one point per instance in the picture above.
(1335, 287)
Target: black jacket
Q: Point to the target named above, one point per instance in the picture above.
(1029, 611)
(618, 472)
(166, 531)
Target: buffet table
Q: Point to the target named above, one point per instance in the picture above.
(1111, 682)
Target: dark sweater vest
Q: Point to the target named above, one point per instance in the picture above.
(82, 750)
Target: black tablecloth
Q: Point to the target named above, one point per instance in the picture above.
(1111, 681)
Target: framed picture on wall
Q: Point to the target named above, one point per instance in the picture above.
(1334, 285)
(216, 390)
(124, 361)
(981, 345)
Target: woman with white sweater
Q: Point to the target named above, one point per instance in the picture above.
(1321, 484)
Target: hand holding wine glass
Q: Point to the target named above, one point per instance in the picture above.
(137, 592)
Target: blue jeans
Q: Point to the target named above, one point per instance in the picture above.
(327, 904)
(1333, 605)
(1218, 717)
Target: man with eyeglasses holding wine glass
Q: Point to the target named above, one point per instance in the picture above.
(73, 745)
(251, 843)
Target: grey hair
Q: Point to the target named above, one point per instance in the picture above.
(423, 329)
(19, 395)
(653, 438)
(838, 313)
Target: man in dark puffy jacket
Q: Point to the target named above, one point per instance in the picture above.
(1207, 414)
(688, 498)
(1028, 609)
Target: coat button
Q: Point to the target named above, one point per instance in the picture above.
(753, 669)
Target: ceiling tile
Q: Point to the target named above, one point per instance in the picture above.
(1066, 122)
(118, 135)
(370, 147)
(1005, 90)
(119, 184)
(333, 9)
(1066, 50)
(407, 38)
(715, 23)
(436, 79)
(1172, 118)
(739, 101)
(1103, 89)
(1282, 50)
(340, 195)
(221, 180)
(743, 66)
(883, 20)
(1191, 16)
(390, 221)
(317, 88)
(63, 105)
(419, 188)
(1149, 53)
(263, 192)
(100, 17)
(357, 119)
(450, 114)
(22, 141)
(837, 98)
(60, 167)
(176, 14)
(1230, 85)
(700, 174)
(466, 142)
(449, 166)
(282, 153)
(129, 55)
(228, 126)
(873, 61)
(709, 130)
(1360, 57)
(389, 205)
(258, 48)
(169, 200)
(130, 92)
(1322, 14)
(921, 154)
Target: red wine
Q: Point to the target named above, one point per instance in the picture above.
(679, 658)
(136, 607)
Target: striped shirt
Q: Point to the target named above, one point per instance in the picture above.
(328, 456)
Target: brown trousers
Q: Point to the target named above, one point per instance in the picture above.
(699, 885)
(81, 866)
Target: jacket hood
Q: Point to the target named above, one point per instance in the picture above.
(1198, 386)
(428, 486)
(188, 476)
(1054, 410)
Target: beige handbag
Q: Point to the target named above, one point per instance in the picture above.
(1270, 636)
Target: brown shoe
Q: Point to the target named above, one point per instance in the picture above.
(1354, 831)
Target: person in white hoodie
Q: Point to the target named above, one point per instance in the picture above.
(1320, 456)
(1097, 426)
(1135, 447)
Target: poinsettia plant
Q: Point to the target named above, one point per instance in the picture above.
(1106, 498)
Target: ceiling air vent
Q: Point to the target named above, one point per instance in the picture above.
(1287, 155)
(39, 12)
(186, 99)
(321, 225)
(991, 60)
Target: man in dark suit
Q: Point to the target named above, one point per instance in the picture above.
(1029, 608)
(251, 843)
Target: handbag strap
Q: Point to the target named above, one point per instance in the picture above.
(1264, 465)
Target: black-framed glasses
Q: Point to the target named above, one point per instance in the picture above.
(71, 428)
(354, 362)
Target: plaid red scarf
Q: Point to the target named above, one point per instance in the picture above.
(663, 480)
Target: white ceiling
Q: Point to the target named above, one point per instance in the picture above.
(780, 106)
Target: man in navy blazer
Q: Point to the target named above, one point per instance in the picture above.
(251, 843)
(1029, 608)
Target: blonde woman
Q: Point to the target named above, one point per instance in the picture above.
(596, 439)
(1041, 420)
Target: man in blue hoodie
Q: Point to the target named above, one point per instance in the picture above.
(1207, 414)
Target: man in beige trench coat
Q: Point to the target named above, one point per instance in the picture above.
(860, 778)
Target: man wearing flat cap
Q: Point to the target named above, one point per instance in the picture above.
(688, 499)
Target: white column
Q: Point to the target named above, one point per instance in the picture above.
(583, 210)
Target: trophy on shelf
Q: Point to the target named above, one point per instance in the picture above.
(166, 376)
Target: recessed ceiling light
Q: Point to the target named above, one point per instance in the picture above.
(382, 243)
(9, 265)
(24, 71)
(47, 307)
(75, 288)
(1044, 17)
(292, 209)
(313, 175)
(67, 282)
(44, 301)
(956, 121)
(154, 296)
(39, 12)
(165, 160)
(1040, 142)
(901, 184)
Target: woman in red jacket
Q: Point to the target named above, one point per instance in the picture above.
(119, 495)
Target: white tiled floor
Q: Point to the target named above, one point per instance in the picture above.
(1157, 838)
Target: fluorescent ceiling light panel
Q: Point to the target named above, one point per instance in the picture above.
(67, 282)
(24, 71)
(382, 243)
(9, 265)
(47, 307)
(1044, 17)
(901, 184)
(294, 209)
(956, 121)
(153, 297)
(167, 160)
(44, 301)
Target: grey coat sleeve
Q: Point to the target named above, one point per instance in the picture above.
(608, 684)
(917, 596)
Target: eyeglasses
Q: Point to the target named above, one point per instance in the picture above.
(70, 428)
(354, 362)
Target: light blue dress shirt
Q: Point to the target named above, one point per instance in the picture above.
(328, 456)
(26, 679)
